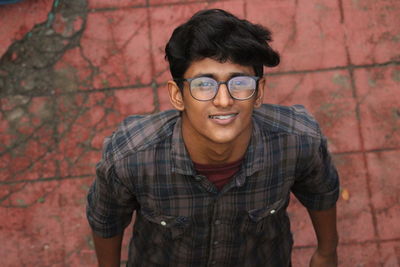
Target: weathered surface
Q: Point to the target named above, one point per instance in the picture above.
(70, 71)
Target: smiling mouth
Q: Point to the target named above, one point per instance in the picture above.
(223, 117)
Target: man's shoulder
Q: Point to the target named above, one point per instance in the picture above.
(288, 119)
(139, 132)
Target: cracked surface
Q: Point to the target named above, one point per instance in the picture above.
(70, 71)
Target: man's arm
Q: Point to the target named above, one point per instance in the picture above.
(324, 222)
(108, 250)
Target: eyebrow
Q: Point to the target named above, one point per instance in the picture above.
(210, 75)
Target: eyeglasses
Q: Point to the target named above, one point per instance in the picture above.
(206, 88)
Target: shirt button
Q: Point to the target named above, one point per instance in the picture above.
(217, 222)
(215, 242)
(163, 223)
(272, 211)
(213, 262)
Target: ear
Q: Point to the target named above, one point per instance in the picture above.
(260, 93)
(175, 96)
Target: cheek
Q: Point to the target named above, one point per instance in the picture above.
(248, 108)
(195, 111)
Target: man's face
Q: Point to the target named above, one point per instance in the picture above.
(222, 120)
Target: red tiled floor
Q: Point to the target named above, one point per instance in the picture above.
(372, 32)
(83, 120)
(385, 189)
(134, 101)
(166, 2)
(33, 236)
(303, 233)
(165, 18)
(328, 96)
(236, 7)
(27, 138)
(76, 234)
(75, 72)
(391, 253)
(115, 4)
(355, 222)
(366, 255)
(378, 94)
(46, 238)
(67, 26)
(88, 118)
(302, 256)
(117, 68)
(163, 21)
(117, 44)
(307, 34)
(28, 13)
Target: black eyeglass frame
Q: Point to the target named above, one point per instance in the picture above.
(189, 80)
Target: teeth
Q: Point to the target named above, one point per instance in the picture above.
(223, 117)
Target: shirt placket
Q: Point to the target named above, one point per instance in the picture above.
(218, 224)
(215, 234)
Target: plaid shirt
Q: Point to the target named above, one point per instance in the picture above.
(182, 219)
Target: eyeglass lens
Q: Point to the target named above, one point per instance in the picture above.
(240, 87)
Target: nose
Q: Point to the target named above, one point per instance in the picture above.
(223, 98)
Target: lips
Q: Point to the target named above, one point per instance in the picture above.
(223, 117)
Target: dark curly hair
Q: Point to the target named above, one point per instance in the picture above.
(219, 35)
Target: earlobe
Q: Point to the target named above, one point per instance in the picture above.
(258, 103)
(260, 93)
(175, 96)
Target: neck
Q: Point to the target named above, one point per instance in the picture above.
(205, 151)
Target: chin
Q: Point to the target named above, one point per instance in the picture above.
(222, 139)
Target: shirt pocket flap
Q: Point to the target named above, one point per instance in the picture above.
(175, 225)
(265, 223)
(258, 214)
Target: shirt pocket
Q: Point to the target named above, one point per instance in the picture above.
(165, 226)
(265, 222)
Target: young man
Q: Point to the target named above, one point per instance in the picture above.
(210, 181)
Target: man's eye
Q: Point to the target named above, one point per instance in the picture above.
(204, 84)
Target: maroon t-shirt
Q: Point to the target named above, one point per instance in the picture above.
(218, 174)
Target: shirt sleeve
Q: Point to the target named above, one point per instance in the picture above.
(110, 203)
(317, 182)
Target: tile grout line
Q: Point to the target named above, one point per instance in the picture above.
(350, 70)
(147, 4)
(347, 67)
(340, 2)
(152, 84)
(245, 9)
(48, 179)
(377, 150)
(364, 155)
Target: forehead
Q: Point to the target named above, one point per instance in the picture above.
(220, 70)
